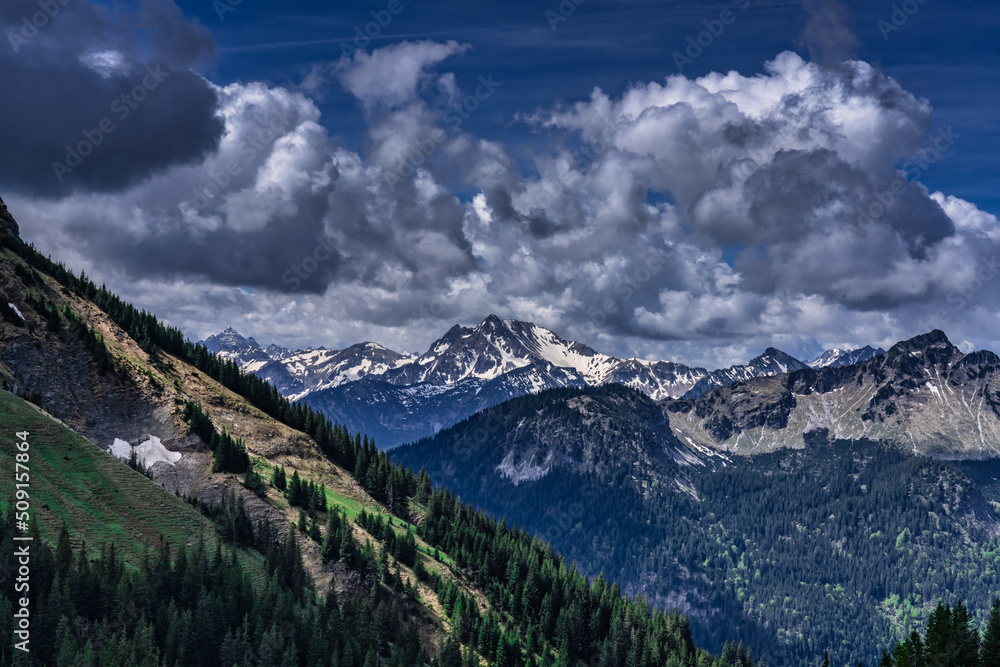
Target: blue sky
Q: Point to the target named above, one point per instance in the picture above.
(594, 188)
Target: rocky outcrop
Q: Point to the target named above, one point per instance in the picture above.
(7, 223)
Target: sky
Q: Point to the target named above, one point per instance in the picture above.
(668, 180)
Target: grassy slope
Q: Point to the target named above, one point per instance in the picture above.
(102, 500)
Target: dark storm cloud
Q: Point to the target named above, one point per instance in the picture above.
(89, 111)
(787, 196)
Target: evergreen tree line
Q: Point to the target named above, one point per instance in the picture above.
(233, 522)
(194, 607)
(48, 310)
(92, 340)
(229, 453)
(951, 640)
(402, 547)
(302, 492)
(548, 598)
(253, 481)
(135, 463)
(481, 633)
(738, 655)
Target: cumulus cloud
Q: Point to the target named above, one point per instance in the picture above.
(390, 76)
(700, 219)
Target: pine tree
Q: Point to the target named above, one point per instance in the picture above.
(331, 541)
(965, 637)
(938, 630)
(295, 494)
(279, 480)
(64, 551)
(989, 653)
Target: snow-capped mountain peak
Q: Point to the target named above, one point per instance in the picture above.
(497, 347)
(491, 350)
(231, 345)
(275, 352)
(404, 396)
(837, 357)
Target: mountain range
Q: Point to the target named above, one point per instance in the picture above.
(400, 397)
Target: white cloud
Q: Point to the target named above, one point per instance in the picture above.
(391, 75)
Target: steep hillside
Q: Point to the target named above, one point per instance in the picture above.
(611, 432)
(46, 357)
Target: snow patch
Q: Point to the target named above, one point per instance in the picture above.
(524, 470)
(17, 311)
(150, 451)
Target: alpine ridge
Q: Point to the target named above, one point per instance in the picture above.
(840, 357)
(400, 397)
(771, 362)
(923, 396)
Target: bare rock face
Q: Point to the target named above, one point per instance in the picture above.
(7, 222)
(58, 373)
(923, 395)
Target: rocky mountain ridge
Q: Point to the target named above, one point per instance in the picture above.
(923, 395)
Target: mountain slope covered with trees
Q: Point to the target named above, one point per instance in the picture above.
(845, 545)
